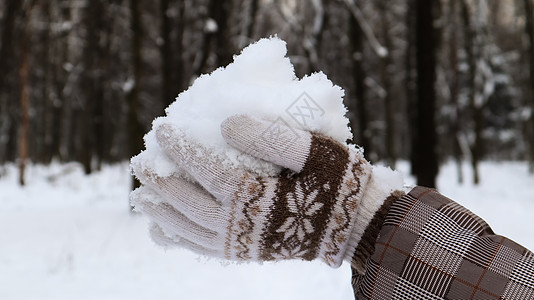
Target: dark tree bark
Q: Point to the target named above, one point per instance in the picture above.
(86, 144)
(92, 140)
(385, 72)
(529, 28)
(180, 79)
(8, 129)
(61, 106)
(63, 79)
(220, 12)
(135, 127)
(249, 33)
(410, 84)
(12, 7)
(109, 107)
(24, 108)
(99, 74)
(454, 88)
(426, 152)
(360, 120)
(216, 41)
(166, 53)
(312, 40)
(45, 137)
(476, 110)
(25, 96)
(171, 49)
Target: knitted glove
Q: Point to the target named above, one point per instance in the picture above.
(313, 209)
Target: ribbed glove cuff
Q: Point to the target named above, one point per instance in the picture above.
(384, 187)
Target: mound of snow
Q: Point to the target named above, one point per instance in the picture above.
(261, 82)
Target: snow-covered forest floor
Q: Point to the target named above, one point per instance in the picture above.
(70, 236)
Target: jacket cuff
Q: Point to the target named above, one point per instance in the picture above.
(383, 188)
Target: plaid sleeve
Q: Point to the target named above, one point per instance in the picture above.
(430, 247)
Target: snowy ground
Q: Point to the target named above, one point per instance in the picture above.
(70, 236)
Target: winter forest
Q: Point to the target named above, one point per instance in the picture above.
(425, 81)
(442, 90)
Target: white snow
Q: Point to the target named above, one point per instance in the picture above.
(261, 82)
(211, 26)
(70, 236)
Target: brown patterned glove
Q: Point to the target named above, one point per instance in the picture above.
(313, 209)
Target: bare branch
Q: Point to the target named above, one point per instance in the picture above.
(380, 50)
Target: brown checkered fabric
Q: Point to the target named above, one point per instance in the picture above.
(430, 247)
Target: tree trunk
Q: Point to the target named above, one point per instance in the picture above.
(410, 84)
(46, 152)
(359, 120)
(8, 26)
(180, 79)
(385, 72)
(249, 33)
(63, 87)
(454, 88)
(312, 40)
(7, 126)
(217, 40)
(476, 111)
(529, 27)
(25, 97)
(92, 115)
(166, 53)
(136, 130)
(99, 81)
(220, 12)
(427, 158)
(58, 82)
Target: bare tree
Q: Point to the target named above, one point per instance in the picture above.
(7, 124)
(135, 127)
(313, 36)
(253, 11)
(469, 36)
(360, 119)
(453, 80)
(172, 26)
(386, 65)
(410, 82)
(481, 81)
(25, 94)
(529, 28)
(179, 77)
(45, 124)
(165, 49)
(216, 37)
(426, 152)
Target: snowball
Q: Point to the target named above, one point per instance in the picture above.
(260, 82)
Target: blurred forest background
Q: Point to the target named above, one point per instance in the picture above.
(425, 80)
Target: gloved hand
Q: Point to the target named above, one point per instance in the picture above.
(314, 209)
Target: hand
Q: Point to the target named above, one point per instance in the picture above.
(309, 211)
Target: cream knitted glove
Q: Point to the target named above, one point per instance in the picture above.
(313, 209)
